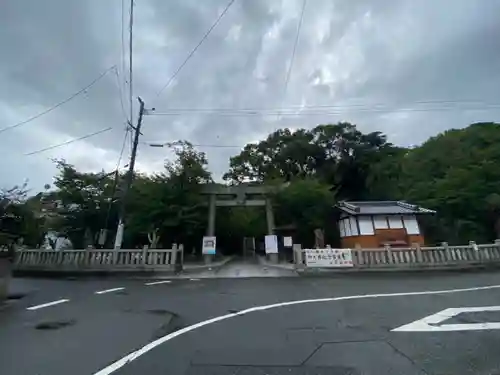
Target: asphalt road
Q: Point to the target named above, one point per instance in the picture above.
(208, 324)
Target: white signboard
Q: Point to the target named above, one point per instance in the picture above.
(208, 245)
(432, 323)
(287, 241)
(328, 257)
(271, 242)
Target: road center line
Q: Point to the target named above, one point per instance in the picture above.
(108, 290)
(146, 348)
(47, 304)
(194, 279)
(159, 282)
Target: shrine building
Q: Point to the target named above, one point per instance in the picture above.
(374, 224)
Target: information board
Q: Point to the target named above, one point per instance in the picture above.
(271, 243)
(208, 245)
(328, 257)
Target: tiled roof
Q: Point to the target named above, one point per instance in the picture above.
(381, 208)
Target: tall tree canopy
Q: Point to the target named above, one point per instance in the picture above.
(338, 155)
(457, 174)
(171, 201)
(17, 218)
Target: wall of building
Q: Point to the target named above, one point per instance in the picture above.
(371, 231)
(374, 242)
(416, 238)
(368, 242)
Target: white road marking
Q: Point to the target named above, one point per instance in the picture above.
(146, 348)
(108, 290)
(194, 279)
(431, 323)
(47, 304)
(159, 282)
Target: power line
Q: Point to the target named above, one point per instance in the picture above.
(294, 50)
(69, 142)
(115, 185)
(120, 93)
(60, 103)
(293, 113)
(127, 130)
(193, 51)
(130, 69)
(174, 144)
(328, 106)
(122, 57)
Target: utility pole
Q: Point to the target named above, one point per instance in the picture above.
(130, 56)
(129, 176)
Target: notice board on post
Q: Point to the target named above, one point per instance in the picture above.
(208, 245)
(271, 243)
(328, 257)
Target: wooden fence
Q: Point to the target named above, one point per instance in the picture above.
(443, 256)
(99, 259)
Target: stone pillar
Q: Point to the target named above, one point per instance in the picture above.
(5, 274)
(211, 215)
(447, 252)
(416, 246)
(297, 254)
(212, 208)
(270, 226)
(269, 216)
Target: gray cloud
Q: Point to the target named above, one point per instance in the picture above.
(395, 53)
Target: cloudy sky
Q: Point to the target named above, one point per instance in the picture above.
(376, 63)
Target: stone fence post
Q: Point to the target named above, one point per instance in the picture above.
(388, 253)
(175, 249)
(145, 254)
(179, 264)
(447, 251)
(297, 254)
(418, 249)
(5, 275)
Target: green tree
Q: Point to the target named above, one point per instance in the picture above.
(17, 219)
(306, 204)
(338, 155)
(457, 174)
(171, 201)
(85, 203)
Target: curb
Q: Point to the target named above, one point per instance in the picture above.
(326, 272)
(281, 266)
(207, 267)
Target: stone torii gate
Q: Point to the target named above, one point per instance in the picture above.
(245, 194)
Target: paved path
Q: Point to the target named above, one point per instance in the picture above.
(340, 325)
(244, 268)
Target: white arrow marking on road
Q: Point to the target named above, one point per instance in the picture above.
(431, 323)
(47, 304)
(109, 290)
(159, 282)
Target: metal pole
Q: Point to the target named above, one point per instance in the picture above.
(129, 177)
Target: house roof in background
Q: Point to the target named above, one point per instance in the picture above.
(381, 208)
